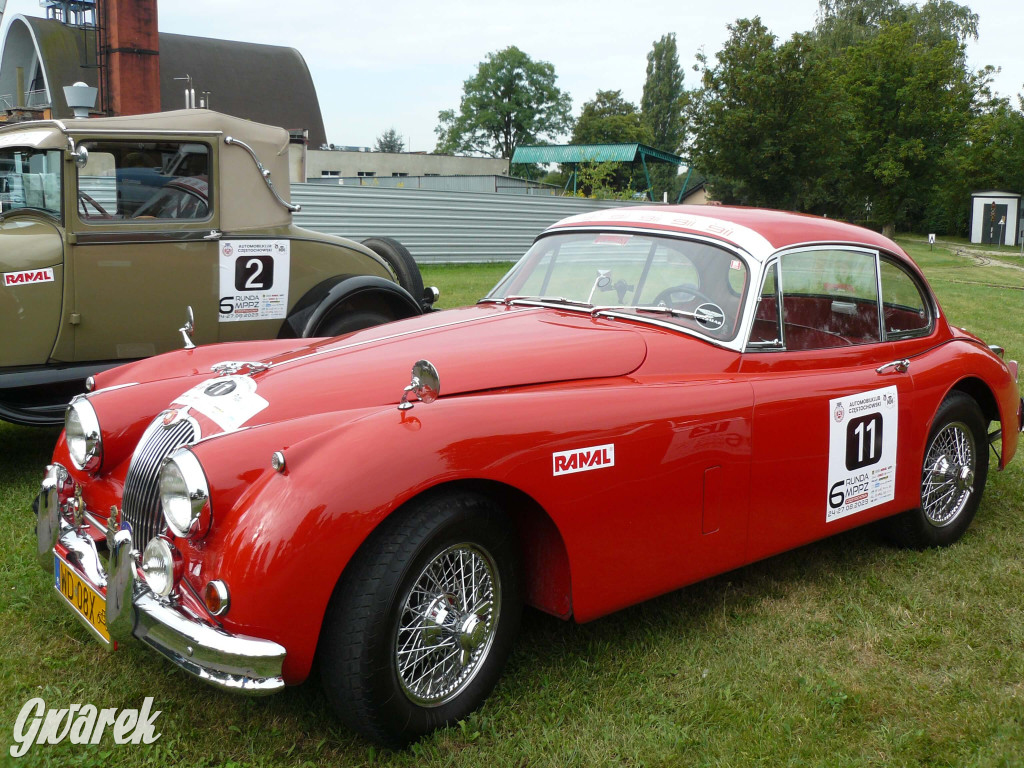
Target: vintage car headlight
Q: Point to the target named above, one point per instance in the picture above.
(161, 565)
(185, 495)
(82, 431)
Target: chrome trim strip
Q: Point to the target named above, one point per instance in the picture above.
(231, 141)
(232, 662)
(138, 236)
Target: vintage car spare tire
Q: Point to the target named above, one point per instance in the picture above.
(422, 620)
(953, 477)
(400, 260)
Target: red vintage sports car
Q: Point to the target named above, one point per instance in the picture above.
(684, 389)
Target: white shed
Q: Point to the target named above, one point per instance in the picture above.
(995, 218)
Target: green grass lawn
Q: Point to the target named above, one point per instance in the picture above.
(847, 652)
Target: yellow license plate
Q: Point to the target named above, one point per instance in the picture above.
(88, 603)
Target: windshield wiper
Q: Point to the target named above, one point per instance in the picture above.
(508, 300)
(704, 315)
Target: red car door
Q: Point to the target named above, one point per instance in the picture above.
(832, 402)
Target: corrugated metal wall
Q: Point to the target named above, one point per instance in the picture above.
(437, 227)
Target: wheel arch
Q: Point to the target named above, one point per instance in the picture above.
(547, 580)
(359, 291)
(982, 395)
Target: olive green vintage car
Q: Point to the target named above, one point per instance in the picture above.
(114, 231)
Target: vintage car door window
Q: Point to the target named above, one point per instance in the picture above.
(904, 309)
(829, 298)
(132, 180)
(30, 178)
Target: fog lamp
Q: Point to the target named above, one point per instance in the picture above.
(161, 565)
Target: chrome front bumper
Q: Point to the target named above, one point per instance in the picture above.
(233, 662)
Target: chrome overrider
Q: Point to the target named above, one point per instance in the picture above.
(233, 662)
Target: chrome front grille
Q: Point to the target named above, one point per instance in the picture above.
(140, 507)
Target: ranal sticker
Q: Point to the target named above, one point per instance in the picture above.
(227, 401)
(862, 451)
(583, 459)
(254, 279)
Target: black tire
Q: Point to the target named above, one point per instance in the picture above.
(375, 618)
(400, 260)
(953, 476)
(341, 322)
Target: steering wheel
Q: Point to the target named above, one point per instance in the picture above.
(84, 201)
(691, 295)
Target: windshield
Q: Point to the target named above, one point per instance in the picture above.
(696, 285)
(30, 178)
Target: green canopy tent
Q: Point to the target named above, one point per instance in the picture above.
(574, 154)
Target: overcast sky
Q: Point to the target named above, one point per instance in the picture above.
(397, 63)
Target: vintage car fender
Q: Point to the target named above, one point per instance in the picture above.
(341, 483)
(980, 368)
(362, 291)
(31, 289)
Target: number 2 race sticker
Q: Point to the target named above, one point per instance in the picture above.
(862, 451)
(254, 279)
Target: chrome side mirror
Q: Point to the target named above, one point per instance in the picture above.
(81, 155)
(425, 384)
(188, 328)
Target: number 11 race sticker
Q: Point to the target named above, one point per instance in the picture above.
(862, 451)
(254, 279)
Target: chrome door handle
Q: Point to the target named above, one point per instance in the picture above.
(899, 366)
(214, 235)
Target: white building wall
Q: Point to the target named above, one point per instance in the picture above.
(321, 163)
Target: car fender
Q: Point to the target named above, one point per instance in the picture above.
(285, 538)
(319, 301)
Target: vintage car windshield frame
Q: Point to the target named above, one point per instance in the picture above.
(677, 320)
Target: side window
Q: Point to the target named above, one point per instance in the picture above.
(765, 332)
(904, 309)
(829, 298)
(133, 180)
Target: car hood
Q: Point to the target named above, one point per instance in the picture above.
(474, 349)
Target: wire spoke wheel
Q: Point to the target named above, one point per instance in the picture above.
(947, 481)
(447, 624)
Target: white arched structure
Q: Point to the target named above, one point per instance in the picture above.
(20, 48)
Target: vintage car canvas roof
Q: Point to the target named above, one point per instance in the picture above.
(245, 202)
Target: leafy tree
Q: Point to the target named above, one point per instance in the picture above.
(662, 106)
(842, 23)
(990, 157)
(390, 141)
(511, 100)
(910, 100)
(764, 123)
(610, 119)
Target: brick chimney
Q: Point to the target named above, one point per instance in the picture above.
(132, 53)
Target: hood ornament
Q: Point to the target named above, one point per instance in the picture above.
(229, 367)
(425, 384)
(188, 327)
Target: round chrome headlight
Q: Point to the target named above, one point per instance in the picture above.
(185, 495)
(161, 565)
(82, 432)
